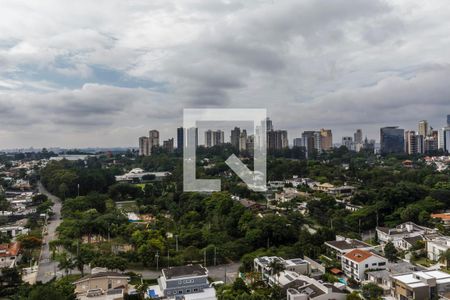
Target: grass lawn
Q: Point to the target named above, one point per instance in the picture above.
(424, 262)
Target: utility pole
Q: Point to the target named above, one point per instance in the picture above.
(204, 258)
(157, 260)
(168, 258)
(225, 279)
(78, 187)
(215, 255)
(176, 242)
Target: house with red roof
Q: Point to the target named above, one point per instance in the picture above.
(356, 262)
(9, 255)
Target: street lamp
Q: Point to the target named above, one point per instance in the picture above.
(157, 260)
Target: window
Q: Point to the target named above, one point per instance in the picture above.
(180, 281)
(188, 291)
(195, 290)
(180, 292)
(382, 263)
(367, 265)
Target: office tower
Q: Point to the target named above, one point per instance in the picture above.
(448, 120)
(144, 146)
(180, 138)
(250, 144)
(420, 141)
(277, 139)
(309, 141)
(298, 142)
(326, 139)
(430, 145)
(392, 140)
(243, 141)
(168, 145)
(358, 136)
(269, 126)
(191, 137)
(235, 137)
(423, 128)
(411, 146)
(444, 139)
(213, 138)
(368, 146)
(317, 141)
(153, 139)
(347, 141)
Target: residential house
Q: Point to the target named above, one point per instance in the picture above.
(301, 287)
(435, 247)
(184, 282)
(405, 230)
(444, 217)
(263, 265)
(343, 245)
(9, 255)
(13, 230)
(103, 284)
(356, 262)
(422, 285)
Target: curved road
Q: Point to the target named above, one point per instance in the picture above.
(47, 267)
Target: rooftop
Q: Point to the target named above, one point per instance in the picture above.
(7, 250)
(185, 271)
(101, 274)
(358, 255)
(348, 244)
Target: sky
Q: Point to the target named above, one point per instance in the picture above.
(102, 73)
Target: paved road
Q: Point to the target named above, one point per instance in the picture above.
(47, 267)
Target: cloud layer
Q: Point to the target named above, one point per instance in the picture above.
(101, 73)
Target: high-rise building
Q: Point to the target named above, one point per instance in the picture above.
(242, 146)
(213, 138)
(153, 139)
(309, 141)
(277, 139)
(235, 137)
(317, 141)
(444, 139)
(423, 128)
(191, 137)
(144, 146)
(168, 145)
(326, 139)
(298, 142)
(368, 146)
(347, 141)
(180, 138)
(448, 120)
(411, 140)
(269, 126)
(358, 136)
(430, 145)
(392, 140)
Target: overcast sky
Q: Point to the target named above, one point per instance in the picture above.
(102, 73)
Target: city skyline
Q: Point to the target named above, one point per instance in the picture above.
(100, 73)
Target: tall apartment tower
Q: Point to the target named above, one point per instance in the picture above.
(448, 120)
(168, 145)
(423, 128)
(153, 139)
(269, 125)
(392, 140)
(358, 136)
(298, 142)
(411, 146)
(277, 139)
(235, 137)
(213, 138)
(347, 141)
(326, 139)
(180, 138)
(243, 141)
(444, 139)
(144, 149)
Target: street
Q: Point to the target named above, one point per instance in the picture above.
(47, 267)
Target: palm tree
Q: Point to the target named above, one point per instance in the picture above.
(65, 262)
(276, 268)
(142, 289)
(445, 258)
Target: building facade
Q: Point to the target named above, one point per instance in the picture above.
(392, 140)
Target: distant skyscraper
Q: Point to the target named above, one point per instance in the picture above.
(444, 139)
(168, 145)
(392, 140)
(153, 139)
(347, 141)
(235, 137)
(277, 139)
(298, 142)
(308, 138)
(423, 128)
(411, 140)
(269, 126)
(191, 137)
(448, 120)
(213, 138)
(326, 139)
(180, 138)
(358, 136)
(144, 146)
(243, 141)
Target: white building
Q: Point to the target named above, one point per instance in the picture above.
(405, 230)
(263, 265)
(356, 262)
(9, 255)
(305, 288)
(422, 285)
(437, 246)
(342, 246)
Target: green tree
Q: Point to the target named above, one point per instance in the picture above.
(390, 252)
(372, 291)
(445, 258)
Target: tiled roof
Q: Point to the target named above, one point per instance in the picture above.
(358, 255)
(7, 250)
